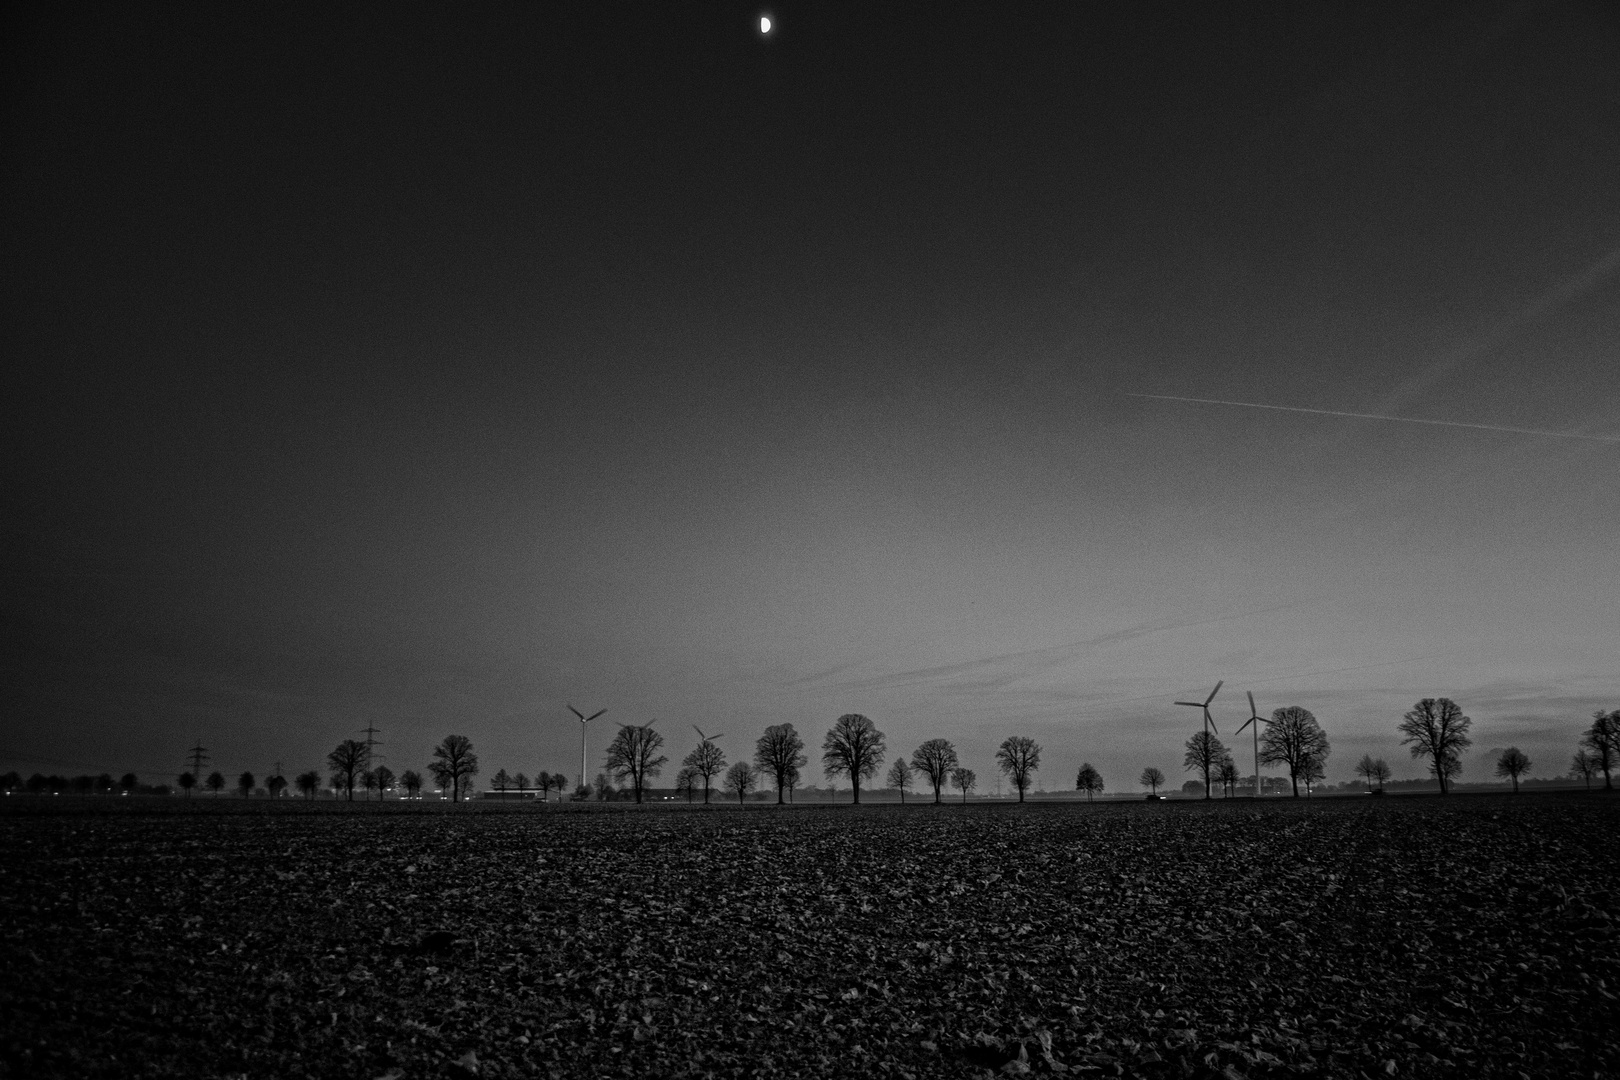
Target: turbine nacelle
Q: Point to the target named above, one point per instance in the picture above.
(1209, 721)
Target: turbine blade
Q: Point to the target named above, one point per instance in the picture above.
(576, 712)
(1215, 691)
(1251, 701)
(593, 715)
(1194, 704)
(1246, 723)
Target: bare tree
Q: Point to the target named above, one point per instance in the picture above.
(1381, 773)
(1151, 778)
(1365, 768)
(187, 781)
(244, 784)
(964, 780)
(542, 781)
(1311, 770)
(631, 755)
(560, 782)
(1512, 764)
(779, 754)
(1088, 780)
(740, 779)
(500, 781)
(216, 782)
(707, 760)
(308, 782)
(453, 764)
(1292, 738)
(385, 779)
(1227, 773)
(368, 780)
(1019, 757)
(1204, 753)
(411, 781)
(1436, 728)
(275, 785)
(686, 782)
(348, 761)
(899, 777)
(854, 747)
(935, 759)
(1603, 740)
(521, 782)
(1585, 766)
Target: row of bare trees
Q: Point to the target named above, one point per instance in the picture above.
(853, 748)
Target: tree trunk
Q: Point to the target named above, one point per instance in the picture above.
(855, 781)
(779, 787)
(1293, 778)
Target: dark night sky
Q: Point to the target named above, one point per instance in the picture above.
(434, 368)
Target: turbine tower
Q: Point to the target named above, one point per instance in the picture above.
(1255, 719)
(1209, 724)
(583, 720)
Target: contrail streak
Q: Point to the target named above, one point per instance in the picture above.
(1379, 416)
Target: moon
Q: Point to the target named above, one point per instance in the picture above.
(764, 24)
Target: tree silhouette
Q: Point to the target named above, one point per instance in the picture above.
(128, 783)
(1365, 768)
(740, 779)
(935, 759)
(1204, 753)
(186, 781)
(542, 781)
(631, 755)
(779, 754)
(411, 781)
(1436, 728)
(216, 782)
(1227, 774)
(1292, 738)
(1088, 780)
(899, 777)
(453, 762)
(963, 780)
(1312, 769)
(1151, 778)
(1602, 739)
(521, 782)
(385, 779)
(368, 781)
(854, 747)
(244, 784)
(1381, 772)
(706, 760)
(275, 785)
(686, 782)
(1585, 766)
(347, 762)
(309, 783)
(500, 781)
(1018, 756)
(1512, 764)
(560, 782)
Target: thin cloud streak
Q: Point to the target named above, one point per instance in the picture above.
(1571, 288)
(1380, 416)
(1056, 654)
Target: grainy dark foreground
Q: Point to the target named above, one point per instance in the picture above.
(1405, 937)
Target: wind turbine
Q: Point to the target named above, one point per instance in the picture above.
(1209, 723)
(707, 738)
(583, 720)
(1255, 719)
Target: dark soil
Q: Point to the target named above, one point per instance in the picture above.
(1401, 937)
